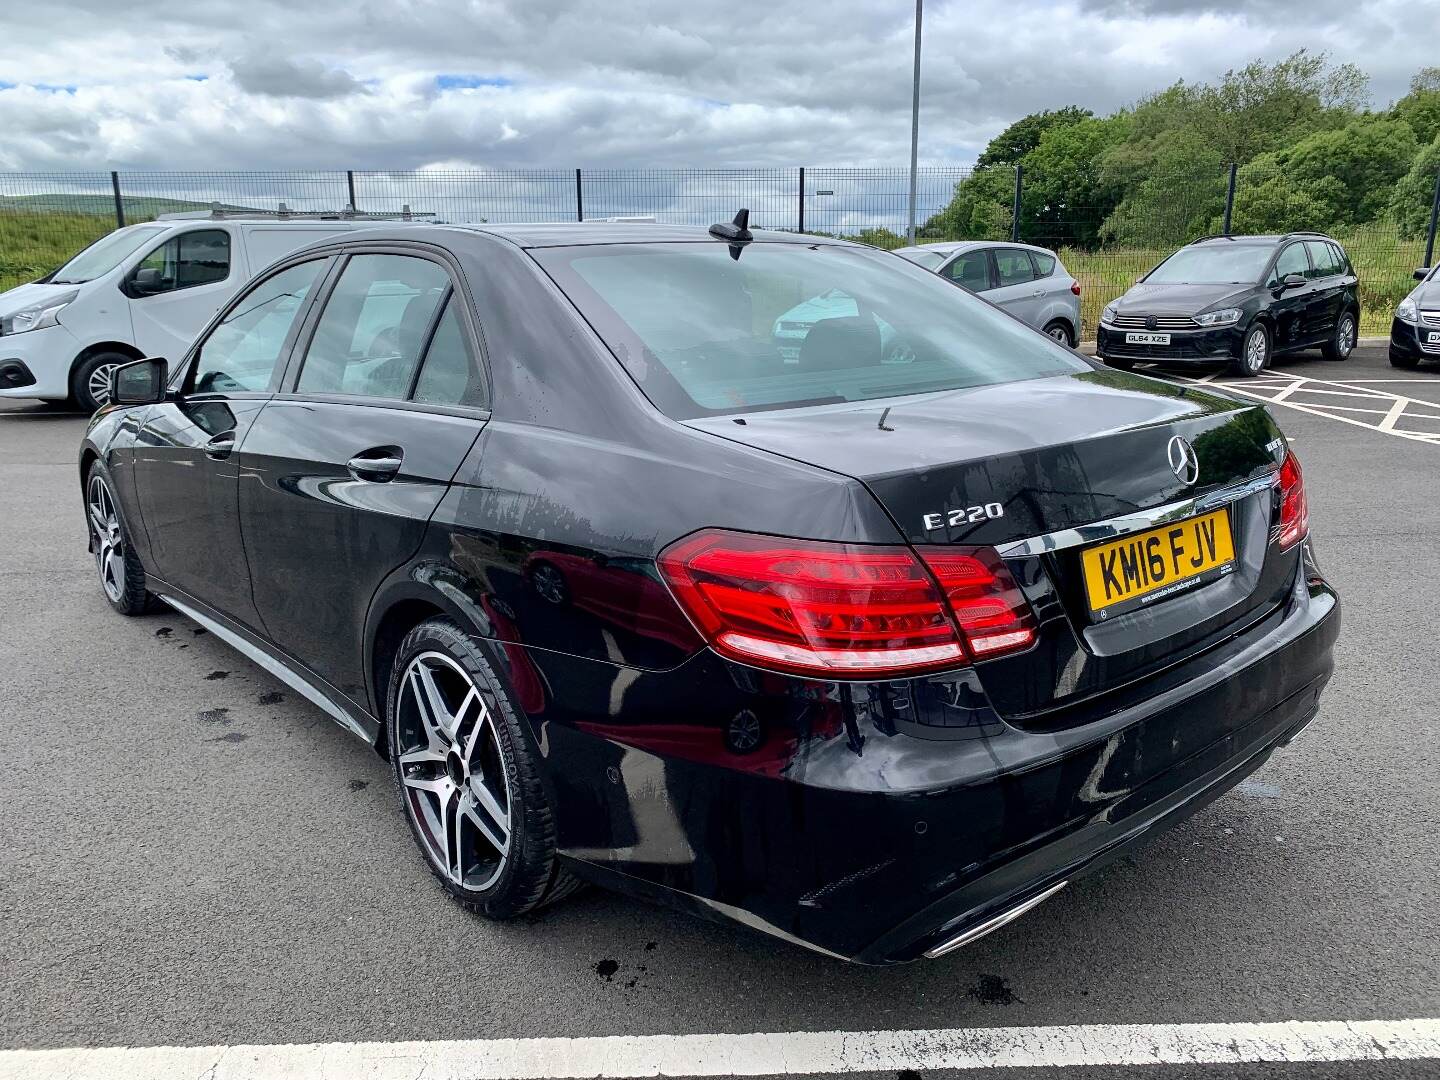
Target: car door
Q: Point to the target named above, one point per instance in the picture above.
(185, 470)
(970, 270)
(1016, 288)
(1290, 308)
(1327, 291)
(341, 472)
(178, 286)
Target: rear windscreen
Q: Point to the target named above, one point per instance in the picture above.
(791, 324)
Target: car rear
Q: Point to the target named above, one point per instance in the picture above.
(1094, 606)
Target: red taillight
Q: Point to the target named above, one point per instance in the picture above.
(993, 615)
(833, 609)
(1294, 523)
(1075, 287)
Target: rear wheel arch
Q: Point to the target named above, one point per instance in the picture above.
(388, 628)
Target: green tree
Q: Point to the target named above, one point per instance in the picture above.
(1367, 156)
(1066, 197)
(1411, 200)
(1024, 135)
(980, 208)
(1421, 107)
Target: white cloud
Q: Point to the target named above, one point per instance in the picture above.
(210, 84)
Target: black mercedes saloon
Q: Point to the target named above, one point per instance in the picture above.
(1237, 300)
(870, 649)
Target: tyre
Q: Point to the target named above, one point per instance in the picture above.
(1400, 360)
(1342, 343)
(90, 381)
(122, 577)
(1059, 329)
(468, 777)
(1254, 352)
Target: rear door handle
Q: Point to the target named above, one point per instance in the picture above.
(221, 446)
(378, 464)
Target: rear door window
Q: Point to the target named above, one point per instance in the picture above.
(369, 339)
(1322, 259)
(1013, 267)
(450, 373)
(1044, 264)
(789, 324)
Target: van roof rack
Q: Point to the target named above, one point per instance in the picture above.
(221, 212)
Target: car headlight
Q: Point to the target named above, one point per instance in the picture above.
(1407, 312)
(1108, 315)
(36, 317)
(1224, 317)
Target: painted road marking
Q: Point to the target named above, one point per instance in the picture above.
(1396, 412)
(761, 1054)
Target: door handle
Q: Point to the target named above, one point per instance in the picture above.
(221, 446)
(378, 465)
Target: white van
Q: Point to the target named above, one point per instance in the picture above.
(144, 290)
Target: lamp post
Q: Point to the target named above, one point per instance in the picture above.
(914, 126)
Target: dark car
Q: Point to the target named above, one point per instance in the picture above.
(1240, 300)
(1415, 329)
(934, 638)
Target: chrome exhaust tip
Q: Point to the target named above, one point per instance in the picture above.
(1009, 915)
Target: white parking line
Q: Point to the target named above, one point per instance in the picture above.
(760, 1054)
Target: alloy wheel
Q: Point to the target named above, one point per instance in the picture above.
(1059, 334)
(1255, 351)
(1345, 337)
(98, 385)
(109, 539)
(453, 772)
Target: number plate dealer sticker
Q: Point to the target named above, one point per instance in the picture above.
(1144, 567)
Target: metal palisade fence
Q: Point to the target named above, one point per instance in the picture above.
(1108, 227)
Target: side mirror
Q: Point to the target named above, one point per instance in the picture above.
(141, 382)
(146, 281)
(1421, 273)
(1292, 281)
(1138, 280)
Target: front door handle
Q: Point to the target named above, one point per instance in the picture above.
(221, 446)
(378, 464)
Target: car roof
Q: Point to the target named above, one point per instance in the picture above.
(574, 233)
(1263, 238)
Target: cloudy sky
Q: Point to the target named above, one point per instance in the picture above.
(392, 84)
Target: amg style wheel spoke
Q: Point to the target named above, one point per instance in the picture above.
(451, 764)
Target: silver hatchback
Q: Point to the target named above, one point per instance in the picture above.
(1029, 282)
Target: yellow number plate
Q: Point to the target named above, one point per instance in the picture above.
(1157, 560)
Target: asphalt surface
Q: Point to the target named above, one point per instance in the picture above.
(192, 854)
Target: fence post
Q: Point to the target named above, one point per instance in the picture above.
(1230, 198)
(350, 186)
(1015, 210)
(120, 206)
(1434, 217)
(579, 198)
(802, 199)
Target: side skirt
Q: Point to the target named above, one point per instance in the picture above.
(356, 723)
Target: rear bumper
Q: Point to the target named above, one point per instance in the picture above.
(1413, 341)
(879, 821)
(1195, 346)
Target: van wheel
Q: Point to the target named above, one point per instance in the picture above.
(468, 778)
(90, 381)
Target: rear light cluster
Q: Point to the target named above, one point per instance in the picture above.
(1075, 287)
(1294, 521)
(846, 610)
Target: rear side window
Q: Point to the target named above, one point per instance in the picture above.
(369, 340)
(1013, 267)
(787, 324)
(1322, 259)
(189, 259)
(1044, 264)
(1342, 263)
(971, 270)
(243, 349)
(450, 374)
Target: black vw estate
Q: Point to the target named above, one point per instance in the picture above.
(1239, 300)
(871, 649)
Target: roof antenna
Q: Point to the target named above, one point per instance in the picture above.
(737, 233)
